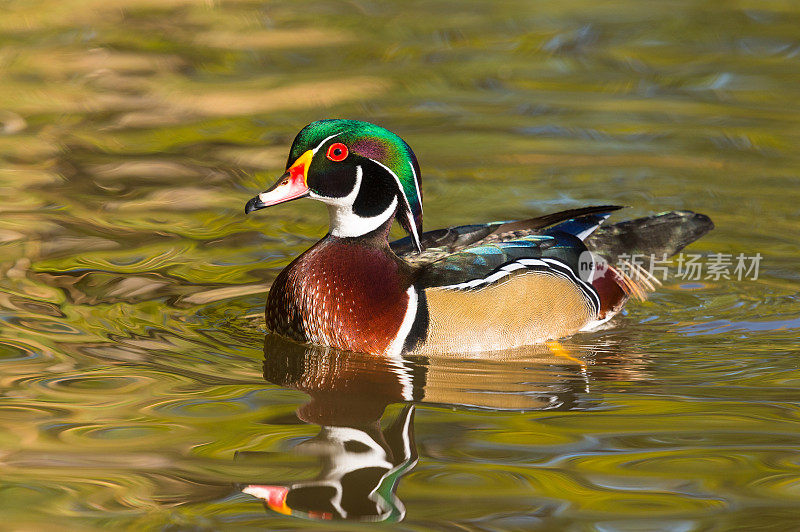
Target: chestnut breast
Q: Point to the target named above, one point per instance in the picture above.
(344, 293)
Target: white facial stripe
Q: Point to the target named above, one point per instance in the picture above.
(343, 461)
(344, 222)
(402, 194)
(397, 179)
(345, 201)
(413, 225)
(348, 461)
(416, 184)
(326, 139)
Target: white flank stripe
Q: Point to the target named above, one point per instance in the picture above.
(554, 267)
(404, 376)
(396, 347)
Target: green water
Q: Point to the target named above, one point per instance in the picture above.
(133, 131)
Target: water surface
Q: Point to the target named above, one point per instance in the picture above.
(132, 362)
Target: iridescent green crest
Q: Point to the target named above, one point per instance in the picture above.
(382, 147)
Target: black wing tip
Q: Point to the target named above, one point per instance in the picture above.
(599, 209)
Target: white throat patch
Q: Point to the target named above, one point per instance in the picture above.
(346, 223)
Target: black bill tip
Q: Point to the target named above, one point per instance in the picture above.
(253, 205)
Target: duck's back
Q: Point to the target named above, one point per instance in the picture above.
(505, 294)
(508, 284)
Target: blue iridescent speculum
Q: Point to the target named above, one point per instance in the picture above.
(381, 146)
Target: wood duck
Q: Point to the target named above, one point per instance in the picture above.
(362, 458)
(361, 462)
(467, 289)
(361, 465)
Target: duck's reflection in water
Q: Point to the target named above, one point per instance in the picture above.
(362, 462)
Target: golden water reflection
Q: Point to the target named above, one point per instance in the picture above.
(361, 462)
(132, 131)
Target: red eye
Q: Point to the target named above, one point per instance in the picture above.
(337, 152)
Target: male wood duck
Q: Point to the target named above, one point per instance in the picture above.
(361, 466)
(362, 458)
(484, 287)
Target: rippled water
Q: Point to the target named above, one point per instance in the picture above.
(132, 362)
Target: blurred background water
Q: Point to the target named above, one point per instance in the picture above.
(133, 131)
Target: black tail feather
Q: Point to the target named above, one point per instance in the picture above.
(664, 233)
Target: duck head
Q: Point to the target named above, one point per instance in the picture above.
(365, 174)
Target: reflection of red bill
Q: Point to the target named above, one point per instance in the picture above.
(273, 496)
(275, 499)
